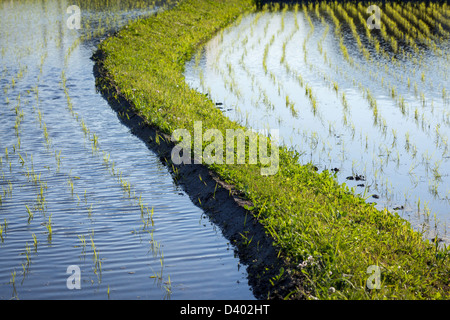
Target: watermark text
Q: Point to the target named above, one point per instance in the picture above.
(236, 143)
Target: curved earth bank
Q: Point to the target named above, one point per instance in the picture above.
(368, 236)
(220, 200)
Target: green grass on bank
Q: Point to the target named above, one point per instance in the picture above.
(307, 212)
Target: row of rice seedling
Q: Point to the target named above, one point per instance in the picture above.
(261, 92)
(27, 184)
(27, 180)
(147, 213)
(362, 49)
(93, 140)
(408, 144)
(343, 13)
(26, 165)
(392, 91)
(401, 100)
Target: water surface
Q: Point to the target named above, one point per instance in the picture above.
(383, 124)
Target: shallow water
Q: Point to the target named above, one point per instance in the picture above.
(401, 153)
(67, 160)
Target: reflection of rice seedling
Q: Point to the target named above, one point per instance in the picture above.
(89, 210)
(49, 228)
(309, 93)
(13, 282)
(94, 140)
(402, 105)
(58, 160)
(336, 87)
(393, 92)
(168, 288)
(422, 99)
(433, 187)
(407, 142)
(83, 242)
(416, 114)
(105, 158)
(70, 182)
(28, 260)
(35, 243)
(95, 257)
(394, 140)
(435, 170)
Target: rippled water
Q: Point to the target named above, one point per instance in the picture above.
(402, 155)
(69, 164)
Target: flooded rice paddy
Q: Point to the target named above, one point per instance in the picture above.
(372, 106)
(78, 188)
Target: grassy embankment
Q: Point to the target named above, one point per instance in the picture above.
(329, 236)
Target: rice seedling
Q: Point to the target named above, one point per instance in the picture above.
(70, 183)
(167, 288)
(48, 226)
(12, 281)
(150, 215)
(27, 257)
(1, 233)
(35, 242)
(95, 256)
(407, 142)
(434, 188)
(105, 159)
(435, 170)
(30, 214)
(286, 200)
(83, 243)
